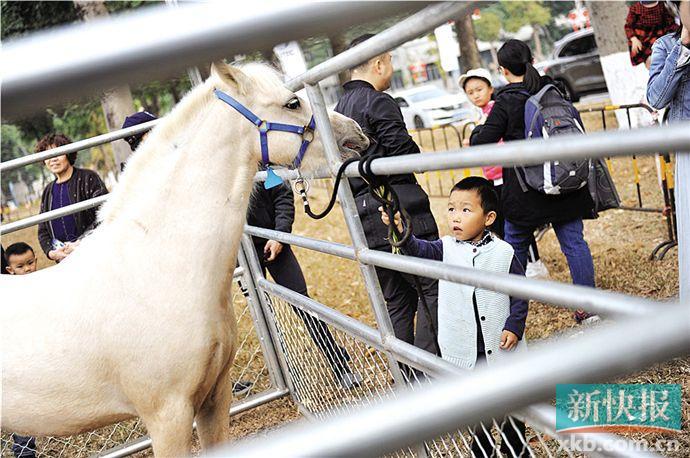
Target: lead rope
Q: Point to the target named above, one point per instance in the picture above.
(382, 191)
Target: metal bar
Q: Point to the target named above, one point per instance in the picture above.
(238, 272)
(530, 152)
(143, 443)
(77, 146)
(53, 214)
(565, 294)
(603, 144)
(651, 140)
(326, 314)
(322, 246)
(268, 346)
(349, 208)
(425, 414)
(263, 318)
(406, 30)
(642, 209)
(103, 53)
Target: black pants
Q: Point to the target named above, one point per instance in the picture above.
(498, 227)
(24, 446)
(286, 272)
(513, 442)
(403, 303)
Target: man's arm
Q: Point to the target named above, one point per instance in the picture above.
(493, 130)
(389, 128)
(284, 207)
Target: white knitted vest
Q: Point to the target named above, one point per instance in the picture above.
(457, 329)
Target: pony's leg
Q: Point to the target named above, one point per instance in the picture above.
(212, 421)
(170, 428)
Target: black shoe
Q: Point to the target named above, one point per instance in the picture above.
(242, 387)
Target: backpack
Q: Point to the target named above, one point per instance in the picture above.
(547, 114)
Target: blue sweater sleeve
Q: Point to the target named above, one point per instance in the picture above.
(518, 307)
(424, 248)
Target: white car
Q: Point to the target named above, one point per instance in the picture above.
(429, 106)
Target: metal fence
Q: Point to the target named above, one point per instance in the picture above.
(403, 405)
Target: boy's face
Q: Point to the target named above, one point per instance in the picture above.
(466, 218)
(20, 264)
(478, 91)
(57, 165)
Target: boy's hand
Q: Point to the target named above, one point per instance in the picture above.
(70, 246)
(272, 249)
(508, 340)
(387, 221)
(58, 254)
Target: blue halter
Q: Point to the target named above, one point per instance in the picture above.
(306, 132)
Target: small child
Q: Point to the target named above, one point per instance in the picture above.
(477, 86)
(647, 21)
(476, 326)
(21, 260)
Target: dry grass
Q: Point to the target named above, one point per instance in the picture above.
(621, 242)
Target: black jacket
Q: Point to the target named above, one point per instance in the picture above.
(83, 185)
(380, 118)
(532, 208)
(271, 209)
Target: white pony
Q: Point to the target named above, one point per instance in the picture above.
(136, 321)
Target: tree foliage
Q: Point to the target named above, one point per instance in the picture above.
(488, 26)
(519, 14)
(84, 118)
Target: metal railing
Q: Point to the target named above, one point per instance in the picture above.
(418, 421)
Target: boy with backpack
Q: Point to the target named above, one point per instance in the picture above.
(527, 203)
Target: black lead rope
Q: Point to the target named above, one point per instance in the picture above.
(382, 191)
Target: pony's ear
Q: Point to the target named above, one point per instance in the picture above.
(231, 75)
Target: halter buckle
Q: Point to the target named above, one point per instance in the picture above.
(308, 134)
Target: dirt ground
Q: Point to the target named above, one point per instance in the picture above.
(620, 240)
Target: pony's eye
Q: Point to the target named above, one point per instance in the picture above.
(293, 104)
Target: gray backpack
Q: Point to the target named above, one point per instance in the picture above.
(547, 114)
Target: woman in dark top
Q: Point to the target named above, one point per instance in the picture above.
(525, 211)
(72, 185)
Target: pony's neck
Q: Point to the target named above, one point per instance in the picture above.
(193, 176)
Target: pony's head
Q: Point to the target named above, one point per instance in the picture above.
(259, 89)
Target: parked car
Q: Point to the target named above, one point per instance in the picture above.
(429, 106)
(575, 63)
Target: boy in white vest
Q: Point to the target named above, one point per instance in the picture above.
(476, 326)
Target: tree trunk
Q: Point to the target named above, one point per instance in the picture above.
(626, 84)
(494, 55)
(538, 52)
(608, 22)
(117, 102)
(338, 45)
(469, 52)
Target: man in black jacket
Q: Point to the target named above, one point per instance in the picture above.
(380, 118)
(72, 185)
(275, 209)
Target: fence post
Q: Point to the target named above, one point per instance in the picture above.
(250, 262)
(348, 205)
(349, 208)
(268, 345)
